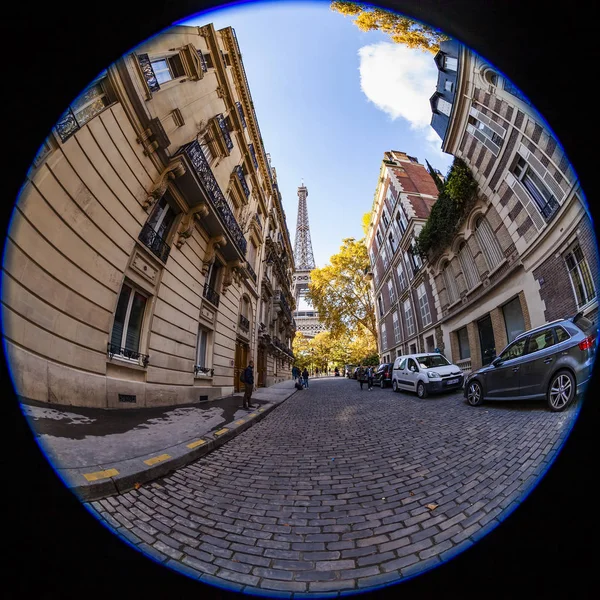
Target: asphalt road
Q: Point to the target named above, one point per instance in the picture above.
(341, 489)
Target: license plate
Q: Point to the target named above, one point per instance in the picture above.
(451, 381)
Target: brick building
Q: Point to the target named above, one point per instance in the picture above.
(526, 253)
(148, 258)
(405, 296)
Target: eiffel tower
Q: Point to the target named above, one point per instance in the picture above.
(307, 318)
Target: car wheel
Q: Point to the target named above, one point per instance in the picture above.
(421, 390)
(561, 391)
(395, 386)
(474, 393)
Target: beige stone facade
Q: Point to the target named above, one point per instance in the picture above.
(148, 258)
(404, 291)
(490, 280)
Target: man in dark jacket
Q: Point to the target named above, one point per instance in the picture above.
(249, 383)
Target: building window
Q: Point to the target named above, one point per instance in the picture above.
(385, 218)
(379, 238)
(464, 350)
(401, 219)
(468, 266)
(444, 106)
(513, 319)
(207, 152)
(392, 240)
(92, 101)
(372, 256)
(450, 282)
(579, 272)
(424, 305)
(429, 343)
(391, 291)
(536, 188)
(155, 232)
(450, 63)
(380, 304)
(384, 340)
(384, 258)
(168, 68)
(489, 244)
(486, 135)
(396, 327)
(448, 86)
(202, 351)
(127, 326)
(401, 277)
(212, 283)
(409, 317)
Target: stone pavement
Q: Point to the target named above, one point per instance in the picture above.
(98, 453)
(340, 491)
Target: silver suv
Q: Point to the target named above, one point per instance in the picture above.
(552, 362)
(424, 373)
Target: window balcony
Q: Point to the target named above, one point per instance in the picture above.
(154, 243)
(244, 323)
(211, 295)
(241, 114)
(132, 355)
(281, 305)
(224, 131)
(242, 179)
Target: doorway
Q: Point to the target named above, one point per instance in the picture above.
(241, 362)
(486, 340)
(261, 367)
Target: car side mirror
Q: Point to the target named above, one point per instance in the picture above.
(497, 361)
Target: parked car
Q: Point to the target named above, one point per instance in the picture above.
(425, 373)
(349, 370)
(383, 375)
(552, 362)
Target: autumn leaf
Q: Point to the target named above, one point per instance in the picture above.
(431, 506)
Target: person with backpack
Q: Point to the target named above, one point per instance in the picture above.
(305, 377)
(247, 378)
(370, 375)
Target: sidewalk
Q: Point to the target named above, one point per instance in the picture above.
(99, 453)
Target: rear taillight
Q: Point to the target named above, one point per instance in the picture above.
(587, 343)
(385, 374)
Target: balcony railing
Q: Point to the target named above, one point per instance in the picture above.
(113, 350)
(252, 272)
(285, 307)
(210, 294)
(202, 61)
(154, 242)
(205, 174)
(203, 370)
(224, 131)
(464, 364)
(253, 154)
(244, 323)
(242, 178)
(241, 113)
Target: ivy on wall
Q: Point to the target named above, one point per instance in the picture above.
(457, 194)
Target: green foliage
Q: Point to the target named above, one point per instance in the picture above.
(457, 195)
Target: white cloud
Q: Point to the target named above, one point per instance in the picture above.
(399, 81)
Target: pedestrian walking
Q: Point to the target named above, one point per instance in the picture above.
(360, 375)
(247, 378)
(305, 377)
(317, 371)
(295, 372)
(370, 375)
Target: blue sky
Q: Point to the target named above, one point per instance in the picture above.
(330, 100)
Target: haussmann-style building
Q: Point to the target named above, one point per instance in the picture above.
(148, 258)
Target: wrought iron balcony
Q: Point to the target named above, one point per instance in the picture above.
(202, 61)
(203, 370)
(154, 242)
(240, 174)
(113, 350)
(244, 323)
(241, 113)
(280, 299)
(214, 193)
(253, 154)
(224, 131)
(252, 272)
(549, 209)
(210, 294)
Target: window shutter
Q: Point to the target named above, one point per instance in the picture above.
(148, 72)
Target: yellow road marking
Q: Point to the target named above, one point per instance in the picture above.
(196, 443)
(100, 474)
(157, 459)
(253, 415)
(240, 422)
(221, 431)
(260, 409)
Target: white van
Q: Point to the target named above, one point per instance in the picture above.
(425, 373)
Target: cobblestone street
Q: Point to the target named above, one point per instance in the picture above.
(341, 489)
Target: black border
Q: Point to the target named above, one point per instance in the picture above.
(53, 548)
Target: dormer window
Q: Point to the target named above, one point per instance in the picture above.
(450, 63)
(443, 106)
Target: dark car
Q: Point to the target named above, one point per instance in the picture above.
(383, 375)
(552, 362)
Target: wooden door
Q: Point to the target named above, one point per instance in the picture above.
(241, 362)
(262, 368)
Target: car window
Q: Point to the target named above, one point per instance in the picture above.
(432, 361)
(561, 334)
(540, 340)
(412, 363)
(401, 364)
(514, 350)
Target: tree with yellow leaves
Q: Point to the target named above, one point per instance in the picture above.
(341, 294)
(402, 29)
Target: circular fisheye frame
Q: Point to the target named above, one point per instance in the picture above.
(311, 414)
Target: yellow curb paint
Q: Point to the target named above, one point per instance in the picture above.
(101, 474)
(157, 459)
(196, 443)
(221, 431)
(260, 409)
(240, 422)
